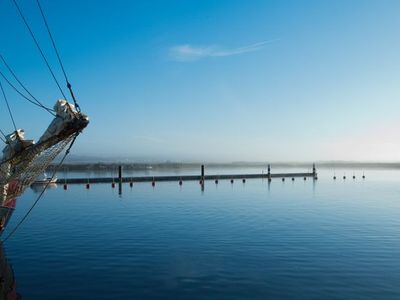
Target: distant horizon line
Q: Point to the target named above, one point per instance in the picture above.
(126, 160)
(336, 163)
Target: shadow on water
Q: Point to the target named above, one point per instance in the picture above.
(8, 285)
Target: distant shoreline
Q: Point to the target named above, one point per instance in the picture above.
(176, 165)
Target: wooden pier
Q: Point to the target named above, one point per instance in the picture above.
(201, 177)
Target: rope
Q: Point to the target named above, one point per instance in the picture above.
(1, 131)
(8, 106)
(5, 138)
(52, 40)
(69, 86)
(42, 192)
(37, 102)
(24, 96)
(38, 46)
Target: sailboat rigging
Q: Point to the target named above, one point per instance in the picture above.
(23, 160)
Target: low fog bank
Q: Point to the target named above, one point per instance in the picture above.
(81, 166)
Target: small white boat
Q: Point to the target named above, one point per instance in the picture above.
(45, 180)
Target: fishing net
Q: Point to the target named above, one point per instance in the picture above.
(21, 171)
(24, 161)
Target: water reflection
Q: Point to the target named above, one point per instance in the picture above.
(38, 188)
(8, 286)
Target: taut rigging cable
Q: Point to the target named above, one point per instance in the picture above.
(35, 101)
(1, 131)
(69, 86)
(4, 140)
(38, 47)
(8, 106)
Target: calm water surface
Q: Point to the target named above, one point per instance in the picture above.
(293, 240)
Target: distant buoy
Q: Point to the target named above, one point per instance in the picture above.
(334, 177)
(315, 178)
(131, 184)
(305, 178)
(180, 182)
(354, 177)
(344, 177)
(231, 180)
(113, 185)
(216, 181)
(283, 178)
(87, 186)
(244, 180)
(292, 178)
(153, 183)
(65, 186)
(363, 176)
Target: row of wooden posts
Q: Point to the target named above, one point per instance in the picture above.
(202, 178)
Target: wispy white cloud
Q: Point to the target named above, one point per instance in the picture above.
(188, 52)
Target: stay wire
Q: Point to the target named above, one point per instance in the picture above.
(38, 46)
(3, 140)
(52, 40)
(36, 101)
(24, 96)
(8, 106)
(1, 131)
(69, 86)
(42, 192)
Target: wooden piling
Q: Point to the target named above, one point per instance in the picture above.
(120, 174)
(182, 177)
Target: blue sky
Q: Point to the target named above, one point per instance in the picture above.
(217, 80)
